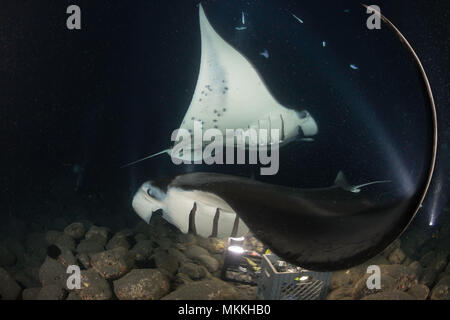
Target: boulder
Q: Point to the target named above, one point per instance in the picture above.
(187, 239)
(142, 284)
(84, 260)
(73, 296)
(429, 277)
(9, 289)
(98, 234)
(52, 272)
(441, 290)
(31, 293)
(93, 286)
(397, 256)
(120, 239)
(76, 230)
(142, 251)
(52, 292)
(390, 295)
(193, 271)
(112, 264)
(361, 290)
(210, 289)
(167, 263)
(342, 293)
(209, 262)
(65, 242)
(213, 245)
(89, 246)
(419, 291)
(51, 236)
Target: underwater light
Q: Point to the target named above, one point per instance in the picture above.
(304, 278)
(236, 249)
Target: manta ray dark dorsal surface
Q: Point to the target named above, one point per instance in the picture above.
(324, 229)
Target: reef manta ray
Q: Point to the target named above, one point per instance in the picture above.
(230, 94)
(321, 229)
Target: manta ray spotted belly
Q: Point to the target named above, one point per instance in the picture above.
(322, 229)
(230, 94)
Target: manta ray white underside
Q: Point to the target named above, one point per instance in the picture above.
(230, 94)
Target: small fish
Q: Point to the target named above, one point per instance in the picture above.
(354, 67)
(347, 10)
(240, 28)
(243, 17)
(265, 54)
(324, 44)
(307, 139)
(298, 19)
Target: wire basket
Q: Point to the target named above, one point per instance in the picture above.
(297, 284)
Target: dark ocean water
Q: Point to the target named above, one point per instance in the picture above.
(114, 91)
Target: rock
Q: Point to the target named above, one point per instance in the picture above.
(7, 258)
(112, 264)
(142, 284)
(345, 278)
(177, 254)
(52, 273)
(65, 242)
(247, 292)
(51, 292)
(167, 263)
(51, 236)
(447, 269)
(213, 245)
(9, 289)
(390, 295)
(98, 234)
(142, 251)
(419, 291)
(180, 280)
(164, 243)
(89, 246)
(361, 290)
(141, 227)
(404, 276)
(73, 296)
(342, 293)
(211, 289)
(66, 258)
(186, 238)
(397, 256)
(193, 271)
(201, 255)
(84, 260)
(439, 261)
(93, 286)
(31, 293)
(75, 230)
(140, 237)
(24, 280)
(429, 277)
(417, 268)
(441, 290)
(394, 245)
(209, 262)
(118, 240)
(427, 259)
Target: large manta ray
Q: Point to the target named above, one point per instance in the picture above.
(320, 229)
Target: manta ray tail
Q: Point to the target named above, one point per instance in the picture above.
(148, 157)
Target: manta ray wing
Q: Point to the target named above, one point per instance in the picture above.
(229, 94)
